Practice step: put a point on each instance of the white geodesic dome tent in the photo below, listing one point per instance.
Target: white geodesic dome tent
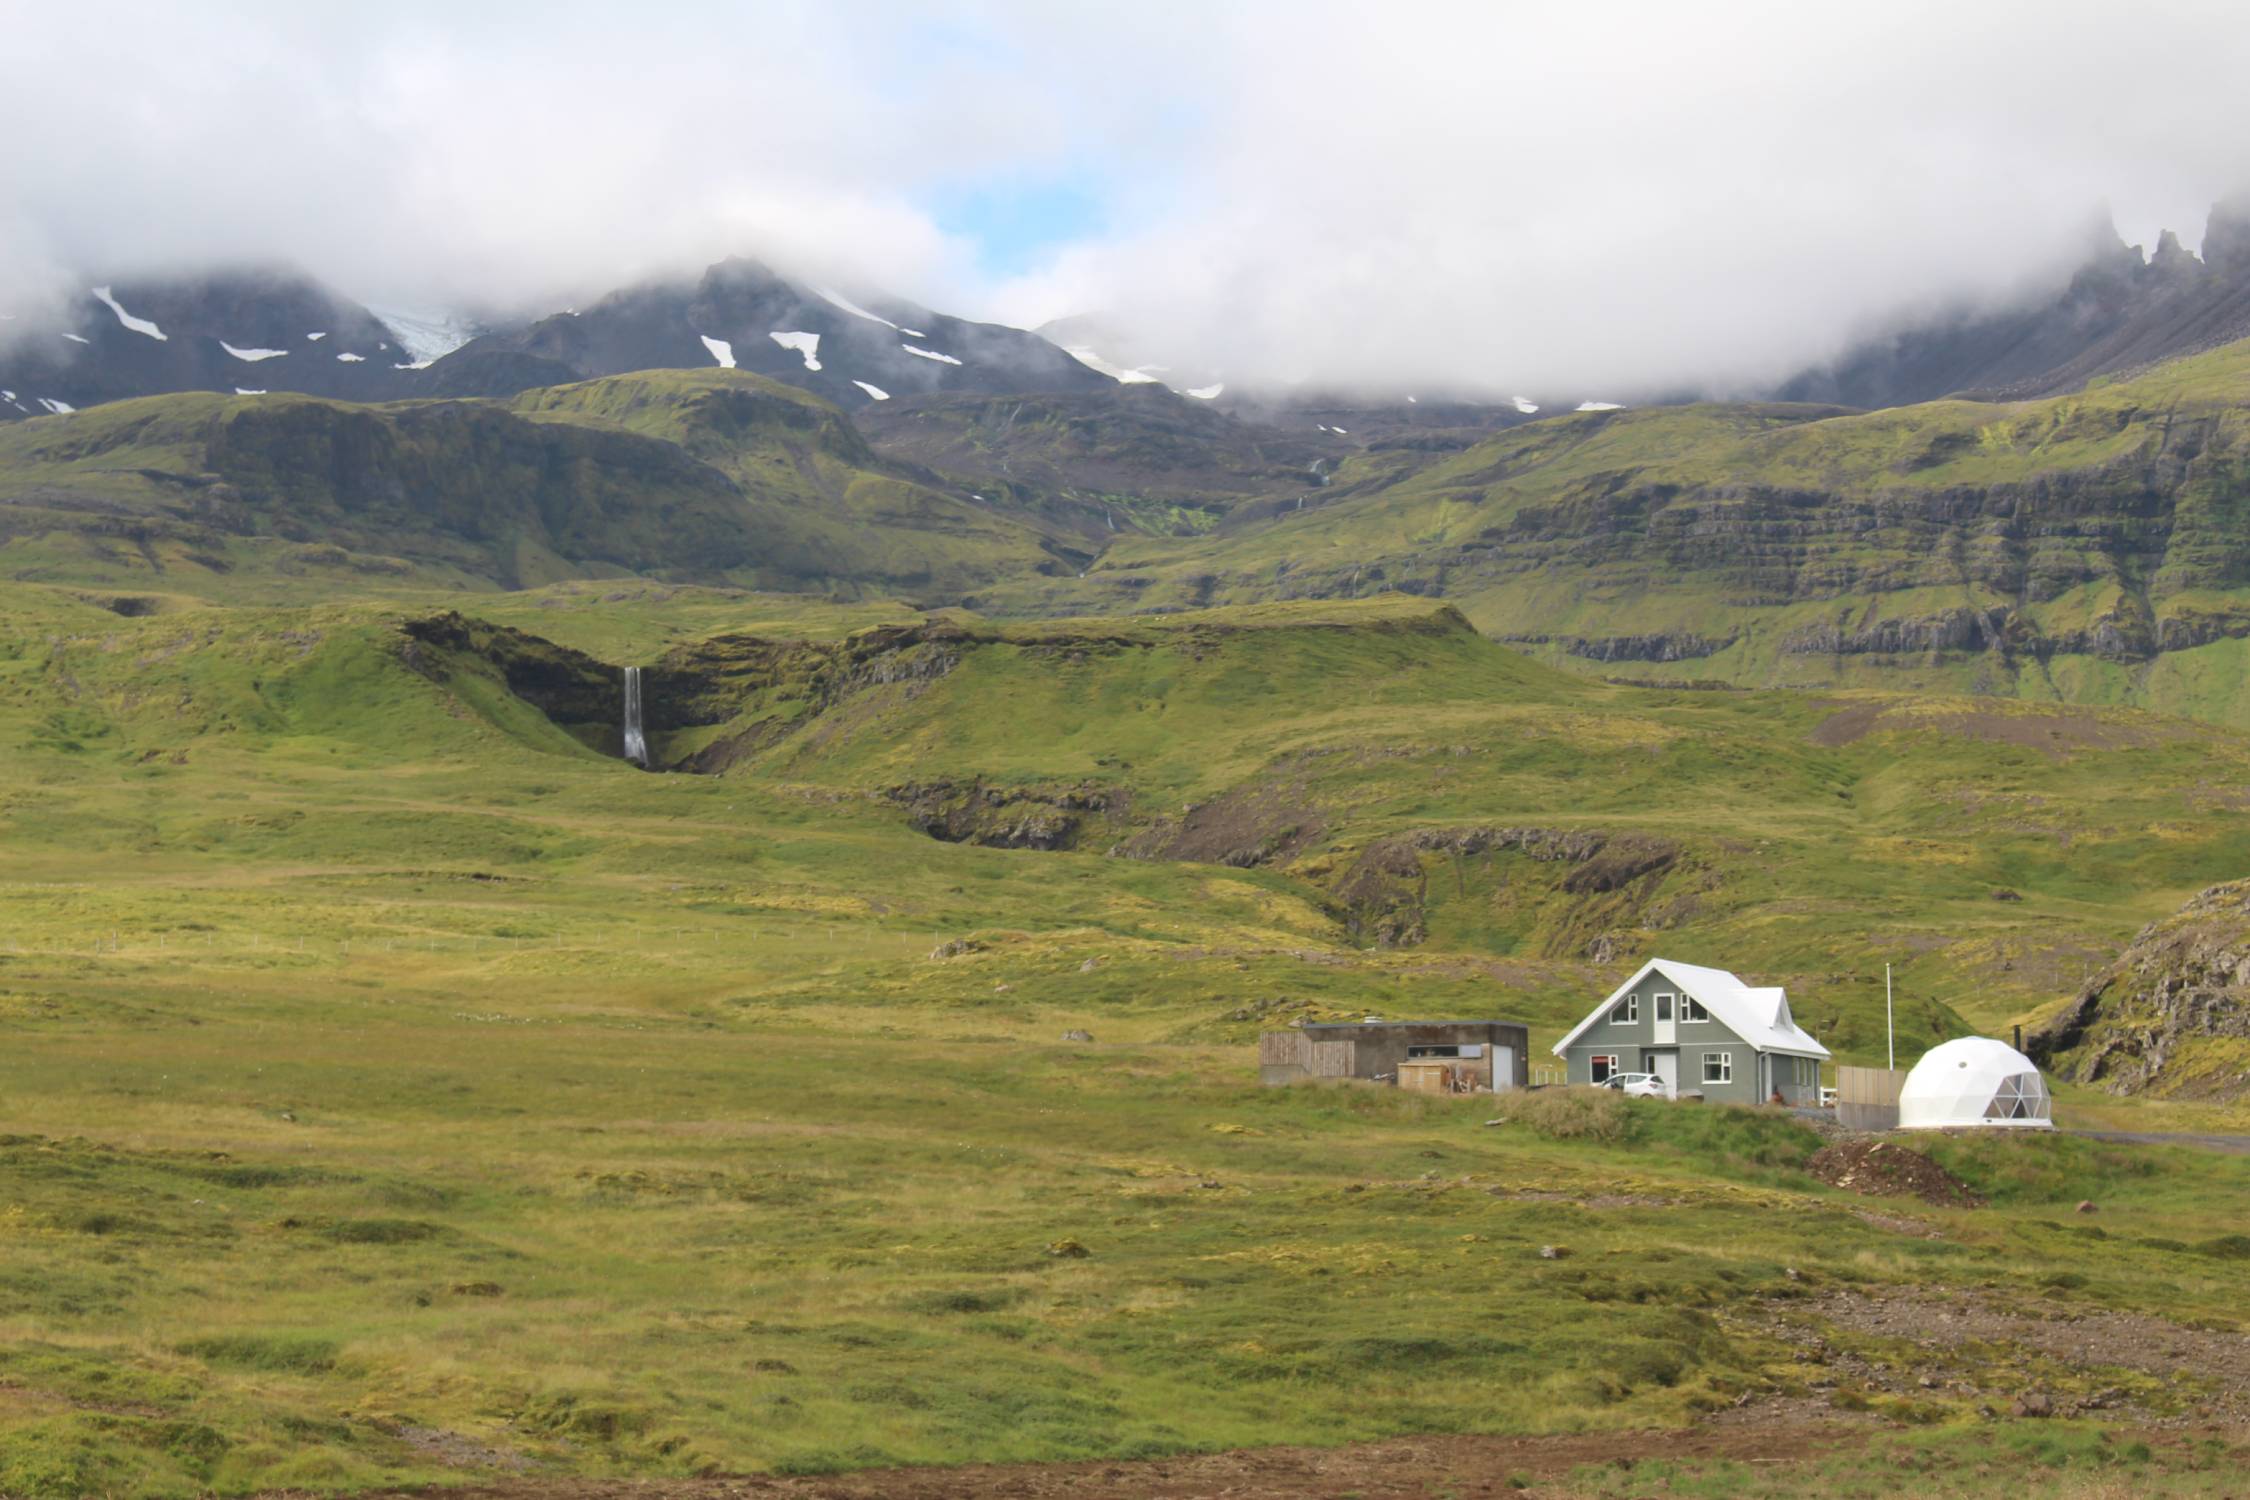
(1974, 1081)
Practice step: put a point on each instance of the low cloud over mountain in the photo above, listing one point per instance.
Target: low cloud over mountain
(1628, 198)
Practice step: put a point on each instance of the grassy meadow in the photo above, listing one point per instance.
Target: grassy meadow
(395, 1088)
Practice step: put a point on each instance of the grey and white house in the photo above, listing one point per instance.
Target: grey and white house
(1702, 1031)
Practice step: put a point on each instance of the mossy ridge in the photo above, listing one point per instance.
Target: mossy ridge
(692, 476)
(2084, 547)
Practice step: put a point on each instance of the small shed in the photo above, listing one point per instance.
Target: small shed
(1434, 1056)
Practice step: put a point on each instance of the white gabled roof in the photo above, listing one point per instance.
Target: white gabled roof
(1758, 1016)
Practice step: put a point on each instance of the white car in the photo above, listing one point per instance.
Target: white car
(1640, 1085)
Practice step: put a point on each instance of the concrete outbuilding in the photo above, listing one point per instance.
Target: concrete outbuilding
(1974, 1081)
(1446, 1057)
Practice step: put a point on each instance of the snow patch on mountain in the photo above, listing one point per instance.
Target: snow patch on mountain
(874, 392)
(1100, 366)
(351, 359)
(426, 336)
(78, 338)
(1600, 406)
(838, 299)
(943, 359)
(59, 408)
(1211, 392)
(240, 391)
(252, 355)
(1524, 404)
(137, 325)
(314, 338)
(721, 350)
(806, 344)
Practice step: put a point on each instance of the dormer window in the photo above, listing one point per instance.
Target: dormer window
(1626, 1012)
(1691, 1009)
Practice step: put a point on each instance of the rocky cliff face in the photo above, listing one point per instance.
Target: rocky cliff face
(2172, 1014)
(2120, 311)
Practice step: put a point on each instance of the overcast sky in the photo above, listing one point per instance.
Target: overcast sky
(1546, 196)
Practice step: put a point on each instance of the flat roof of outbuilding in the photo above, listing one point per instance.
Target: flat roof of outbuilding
(1378, 1025)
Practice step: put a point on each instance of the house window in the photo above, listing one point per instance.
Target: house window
(1603, 1065)
(1691, 1009)
(1627, 1011)
(1718, 1067)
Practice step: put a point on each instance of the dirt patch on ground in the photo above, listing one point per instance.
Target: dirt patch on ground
(1460, 1466)
(1960, 1343)
(1847, 724)
(1896, 1224)
(462, 1452)
(1258, 824)
(1881, 1169)
(2052, 731)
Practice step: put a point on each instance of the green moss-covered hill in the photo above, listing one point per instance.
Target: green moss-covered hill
(2089, 548)
(705, 475)
(1381, 767)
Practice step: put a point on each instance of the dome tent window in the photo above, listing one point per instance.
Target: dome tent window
(1974, 1081)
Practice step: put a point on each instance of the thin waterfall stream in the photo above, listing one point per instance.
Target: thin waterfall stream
(636, 744)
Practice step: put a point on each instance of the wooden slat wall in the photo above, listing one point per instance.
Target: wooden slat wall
(1867, 1098)
(1281, 1049)
(1869, 1086)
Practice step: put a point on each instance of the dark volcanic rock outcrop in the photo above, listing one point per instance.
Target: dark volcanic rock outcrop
(2172, 1014)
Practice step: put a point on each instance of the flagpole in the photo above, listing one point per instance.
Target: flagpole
(1890, 1026)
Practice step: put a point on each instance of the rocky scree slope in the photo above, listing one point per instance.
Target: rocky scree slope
(2171, 1015)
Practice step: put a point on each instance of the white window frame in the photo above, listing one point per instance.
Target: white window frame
(1631, 1005)
(1725, 1060)
(1693, 1011)
(1612, 1058)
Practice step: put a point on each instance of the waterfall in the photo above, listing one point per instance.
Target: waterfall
(636, 745)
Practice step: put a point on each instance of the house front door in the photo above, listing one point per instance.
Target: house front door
(1666, 1065)
(1667, 1019)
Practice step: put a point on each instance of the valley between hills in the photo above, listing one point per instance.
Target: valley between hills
(403, 1088)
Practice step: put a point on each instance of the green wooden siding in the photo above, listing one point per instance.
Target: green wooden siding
(1633, 1043)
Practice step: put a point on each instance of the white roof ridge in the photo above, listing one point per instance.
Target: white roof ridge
(1758, 1014)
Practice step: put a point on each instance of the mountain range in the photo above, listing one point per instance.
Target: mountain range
(264, 330)
(250, 432)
